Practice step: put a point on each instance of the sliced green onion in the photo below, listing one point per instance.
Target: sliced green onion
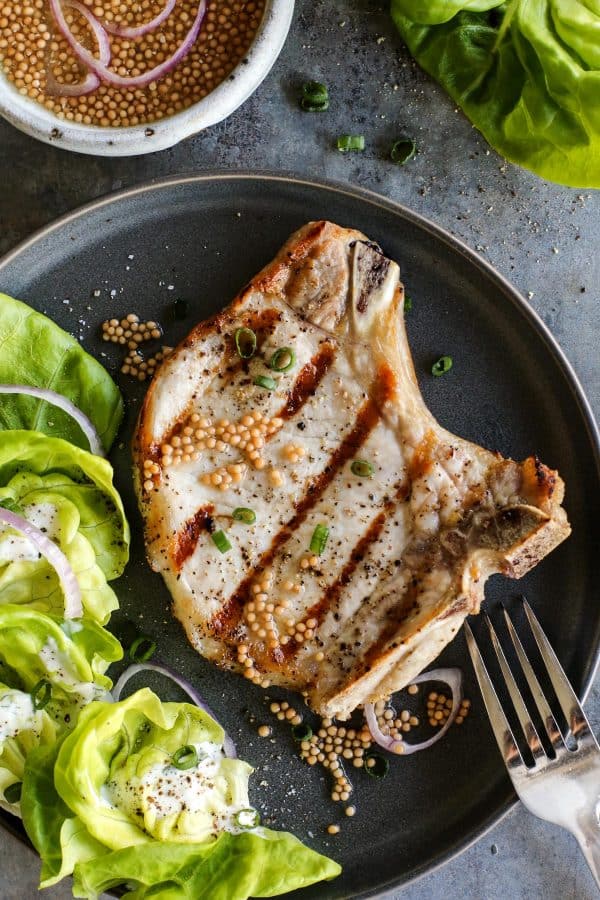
(441, 366)
(379, 768)
(12, 794)
(407, 303)
(403, 150)
(242, 514)
(362, 468)
(319, 539)
(302, 732)
(41, 694)
(142, 649)
(283, 359)
(315, 97)
(347, 142)
(221, 541)
(185, 758)
(264, 381)
(245, 342)
(247, 818)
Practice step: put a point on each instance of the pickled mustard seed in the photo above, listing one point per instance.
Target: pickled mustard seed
(33, 51)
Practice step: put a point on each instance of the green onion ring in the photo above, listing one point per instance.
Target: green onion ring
(245, 342)
(441, 366)
(302, 732)
(277, 361)
(247, 818)
(381, 767)
(41, 694)
(185, 758)
(245, 515)
(142, 649)
(362, 468)
(403, 150)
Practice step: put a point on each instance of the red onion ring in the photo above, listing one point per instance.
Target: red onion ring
(91, 81)
(451, 677)
(136, 668)
(101, 69)
(65, 404)
(56, 558)
(140, 30)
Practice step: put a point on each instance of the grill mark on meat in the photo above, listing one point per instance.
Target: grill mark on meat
(225, 621)
(332, 594)
(259, 321)
(187, 538)
(308, 380)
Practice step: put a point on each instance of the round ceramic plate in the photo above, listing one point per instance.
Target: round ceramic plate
(200, 239)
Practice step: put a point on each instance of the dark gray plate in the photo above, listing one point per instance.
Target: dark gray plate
(200, 239)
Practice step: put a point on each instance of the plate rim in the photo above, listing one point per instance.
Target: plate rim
(508, 290)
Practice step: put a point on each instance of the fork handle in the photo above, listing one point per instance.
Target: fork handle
(588, 838)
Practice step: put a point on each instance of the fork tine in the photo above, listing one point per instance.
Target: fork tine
(572, 711)
(502, 730)
(531, 735)
(552, 729)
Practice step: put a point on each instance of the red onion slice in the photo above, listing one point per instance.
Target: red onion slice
(136, 668)
(65, 404)
(56, 558)
(451, 677)
(99, 68)
(140, 30)
(61, 89)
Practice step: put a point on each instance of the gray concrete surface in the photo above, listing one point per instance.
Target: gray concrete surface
(543, 237)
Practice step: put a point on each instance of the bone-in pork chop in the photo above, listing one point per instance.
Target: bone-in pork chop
(316, 527)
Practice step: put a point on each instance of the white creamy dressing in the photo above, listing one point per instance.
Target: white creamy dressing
(169, 791)
(15, 547)
(59, 666)
(17, 714)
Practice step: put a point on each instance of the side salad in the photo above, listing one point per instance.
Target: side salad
(131, 792)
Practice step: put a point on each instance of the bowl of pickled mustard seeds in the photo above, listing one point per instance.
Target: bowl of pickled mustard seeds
(127, 77)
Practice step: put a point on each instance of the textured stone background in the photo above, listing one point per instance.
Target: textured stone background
(544, 238)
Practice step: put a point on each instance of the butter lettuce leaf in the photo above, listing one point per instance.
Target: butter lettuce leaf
(257, 864)
(110, 805)
(527, 74)
(35, 351)
(71, 656)
(76, 475)
(60, 838)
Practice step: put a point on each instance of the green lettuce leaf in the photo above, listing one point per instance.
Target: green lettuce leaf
(130, 746)
(527, 74)
(36, 352)
(109, 803)
(71, 656)
(55, 503)
(60, 838)
(234, 867)
(76, 475)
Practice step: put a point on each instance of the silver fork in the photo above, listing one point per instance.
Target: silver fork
(563, 788)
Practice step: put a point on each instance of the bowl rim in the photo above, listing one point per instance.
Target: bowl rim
(33, 119)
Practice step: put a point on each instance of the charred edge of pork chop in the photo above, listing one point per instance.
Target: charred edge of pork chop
(414, 637)
(332, 277)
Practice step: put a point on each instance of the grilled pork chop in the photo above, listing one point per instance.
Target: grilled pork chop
(375, 529)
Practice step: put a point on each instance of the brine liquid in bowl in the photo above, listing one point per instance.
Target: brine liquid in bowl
(130, 39)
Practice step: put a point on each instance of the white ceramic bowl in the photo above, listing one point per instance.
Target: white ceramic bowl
(37, 121)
